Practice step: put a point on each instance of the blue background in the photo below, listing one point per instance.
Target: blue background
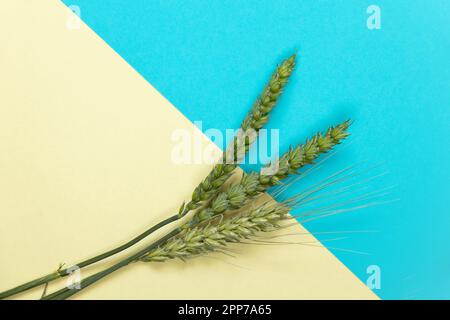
(212, 58)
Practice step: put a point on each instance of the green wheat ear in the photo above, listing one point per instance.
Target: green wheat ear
(201, 240)
(253, 184)
(254, 121)
(258, 116)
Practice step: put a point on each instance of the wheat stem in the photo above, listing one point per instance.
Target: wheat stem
(67, 292)
(60, 273)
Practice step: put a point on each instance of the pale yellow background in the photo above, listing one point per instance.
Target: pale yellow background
(85, 164)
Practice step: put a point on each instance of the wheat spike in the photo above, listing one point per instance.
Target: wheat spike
(200, 240)
(254, 121)
(253, 184)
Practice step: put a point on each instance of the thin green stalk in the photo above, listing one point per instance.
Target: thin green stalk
(67, 292)
(208, 189)
(29, 285)
(65, 272)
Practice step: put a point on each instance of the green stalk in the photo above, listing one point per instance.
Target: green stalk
(208, 189)
(65, 272)
(67, 292)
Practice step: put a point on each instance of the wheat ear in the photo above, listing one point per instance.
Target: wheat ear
(200, 240)
(253, 184)
(253, 122)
